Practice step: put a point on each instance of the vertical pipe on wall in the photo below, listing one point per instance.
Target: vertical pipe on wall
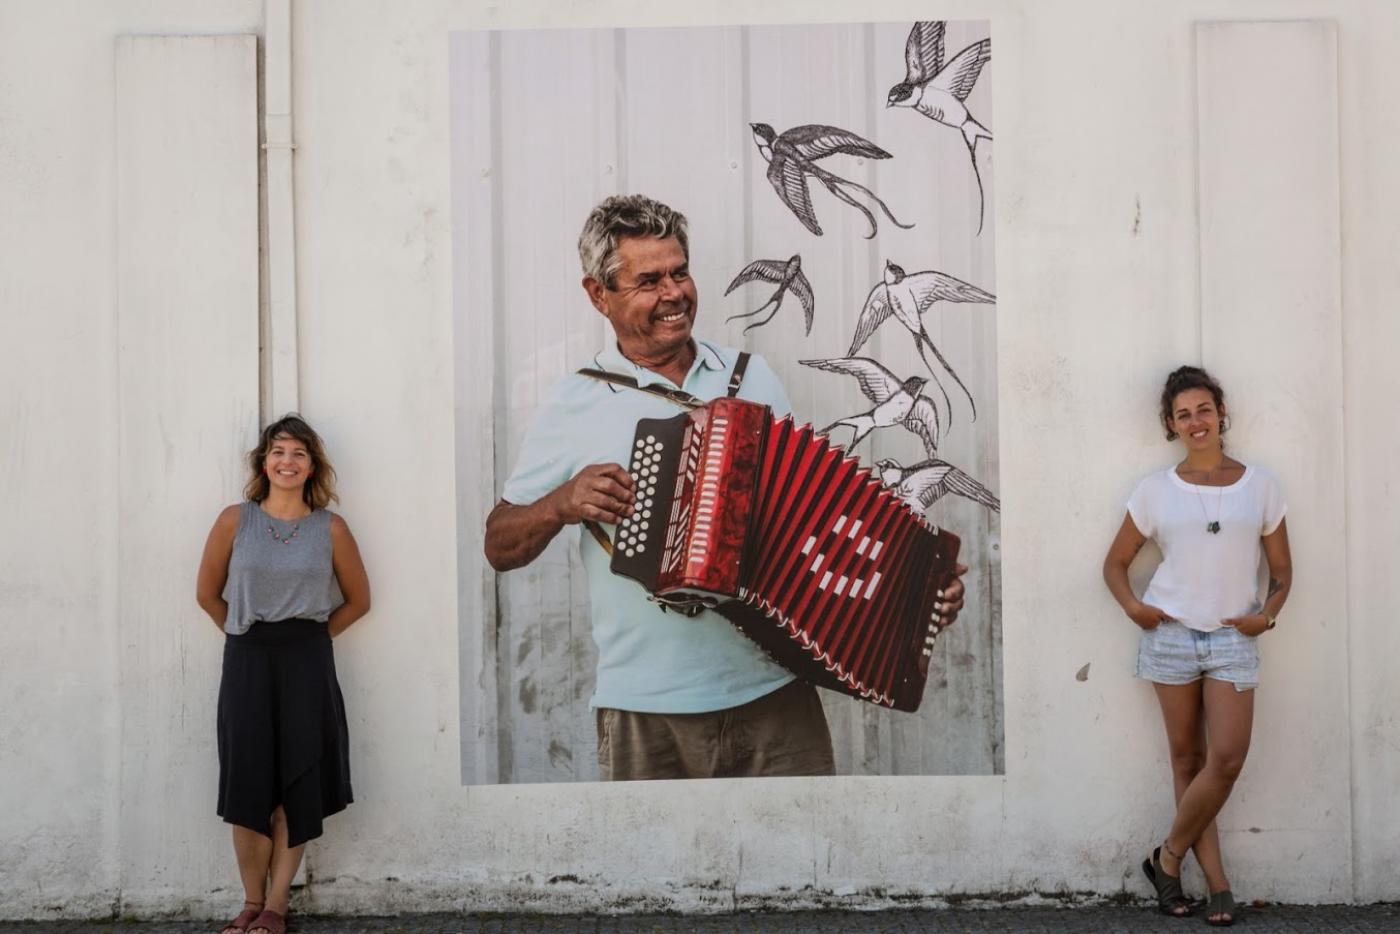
(279, 343)
(281, 393)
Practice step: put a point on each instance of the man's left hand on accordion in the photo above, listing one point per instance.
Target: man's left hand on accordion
(951, 599)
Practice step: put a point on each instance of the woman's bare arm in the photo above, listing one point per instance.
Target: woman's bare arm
(350, 574)
(1126, 544)
(1280, 560)
(213, 566)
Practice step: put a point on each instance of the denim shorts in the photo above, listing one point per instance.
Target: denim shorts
(1174, 654)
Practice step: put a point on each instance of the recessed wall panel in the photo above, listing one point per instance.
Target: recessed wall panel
(187, 359)
(1271, 330)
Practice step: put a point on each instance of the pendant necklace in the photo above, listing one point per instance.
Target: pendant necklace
(1212, 525)
(288, 540)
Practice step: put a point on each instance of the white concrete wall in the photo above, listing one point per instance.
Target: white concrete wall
(1099, 286)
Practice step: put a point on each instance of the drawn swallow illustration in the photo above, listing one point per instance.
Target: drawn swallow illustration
(927, 482)
(788, 276)
(939, 92)
(896, 402)
(907, 296)
(792, 158)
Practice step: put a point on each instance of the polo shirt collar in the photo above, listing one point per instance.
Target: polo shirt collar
(610, 358)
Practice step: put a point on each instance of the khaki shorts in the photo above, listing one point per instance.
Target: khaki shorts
(781, 733)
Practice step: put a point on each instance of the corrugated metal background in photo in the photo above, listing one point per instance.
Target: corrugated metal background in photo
(546, 124)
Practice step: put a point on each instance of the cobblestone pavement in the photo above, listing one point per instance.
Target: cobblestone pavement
(1129, 920)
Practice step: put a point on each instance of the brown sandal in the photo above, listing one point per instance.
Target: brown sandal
(269, 921)
(247, 916)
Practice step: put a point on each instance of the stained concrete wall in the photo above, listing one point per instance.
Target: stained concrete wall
(1102, 285)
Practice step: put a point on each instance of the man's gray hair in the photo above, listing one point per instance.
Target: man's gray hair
(624, 216)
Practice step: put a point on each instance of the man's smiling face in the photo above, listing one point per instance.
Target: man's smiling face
(652, 302)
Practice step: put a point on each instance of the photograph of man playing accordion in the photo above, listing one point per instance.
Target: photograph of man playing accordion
(677, 695)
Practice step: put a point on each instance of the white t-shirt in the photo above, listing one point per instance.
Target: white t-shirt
(1206, 577)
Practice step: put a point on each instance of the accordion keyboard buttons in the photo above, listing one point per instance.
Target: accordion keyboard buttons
(632, 533)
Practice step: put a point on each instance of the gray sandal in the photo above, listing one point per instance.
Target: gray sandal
(1221, 903)
(1171, 900)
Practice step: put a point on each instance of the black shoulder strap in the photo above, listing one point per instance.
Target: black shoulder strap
(677, 396)
(737, 376)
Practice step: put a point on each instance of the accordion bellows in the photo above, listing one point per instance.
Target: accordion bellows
(791, 540)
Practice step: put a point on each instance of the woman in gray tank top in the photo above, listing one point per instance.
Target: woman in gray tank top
(281, 576)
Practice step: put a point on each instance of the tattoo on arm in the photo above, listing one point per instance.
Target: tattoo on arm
(1275, 585)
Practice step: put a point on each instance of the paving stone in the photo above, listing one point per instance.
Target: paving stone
(1011, 920)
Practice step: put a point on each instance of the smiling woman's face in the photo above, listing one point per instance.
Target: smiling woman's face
(1196, 419)
(287, 463)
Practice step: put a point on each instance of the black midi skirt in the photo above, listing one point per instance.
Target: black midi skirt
(283, 739)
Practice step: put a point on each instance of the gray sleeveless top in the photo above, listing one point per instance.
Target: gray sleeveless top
(284, 573)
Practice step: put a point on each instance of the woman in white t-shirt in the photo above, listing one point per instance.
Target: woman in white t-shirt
(1212, 517)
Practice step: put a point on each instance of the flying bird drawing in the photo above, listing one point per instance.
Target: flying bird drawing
(929, 481)
(896, 402)
(939, 91)
(907, 296)
(788, 276)
(792, 159)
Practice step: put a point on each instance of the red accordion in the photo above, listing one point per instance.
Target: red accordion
(791, 540)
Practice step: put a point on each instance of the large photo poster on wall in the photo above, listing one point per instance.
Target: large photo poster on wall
(836, 264)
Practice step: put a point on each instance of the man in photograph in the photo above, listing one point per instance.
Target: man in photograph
(676, 696)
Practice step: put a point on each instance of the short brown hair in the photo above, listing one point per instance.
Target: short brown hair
(1182, 379)
(319, 491)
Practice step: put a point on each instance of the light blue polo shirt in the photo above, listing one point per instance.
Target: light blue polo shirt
(648, 660)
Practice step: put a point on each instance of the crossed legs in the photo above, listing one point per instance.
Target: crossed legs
(267, 865)
(1208, 726)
